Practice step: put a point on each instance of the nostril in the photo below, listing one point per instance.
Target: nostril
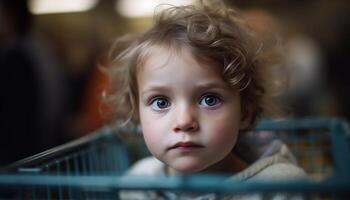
(176, 129)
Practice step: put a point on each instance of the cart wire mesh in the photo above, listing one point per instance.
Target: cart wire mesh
(92, 167)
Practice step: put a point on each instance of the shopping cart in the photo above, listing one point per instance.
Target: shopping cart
(92, 167)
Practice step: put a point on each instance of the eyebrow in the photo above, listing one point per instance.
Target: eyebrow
(211, 84)
(154, 87)
(200, 86)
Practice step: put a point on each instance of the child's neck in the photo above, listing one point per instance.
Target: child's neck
(231, 164)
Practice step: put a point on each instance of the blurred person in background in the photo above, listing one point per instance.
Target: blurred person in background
(32, 87)
(336, 44)
(307, 92)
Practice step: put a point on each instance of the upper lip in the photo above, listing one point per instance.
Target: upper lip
(185, 144)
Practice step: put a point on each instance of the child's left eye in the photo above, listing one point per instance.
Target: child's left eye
(210, 100)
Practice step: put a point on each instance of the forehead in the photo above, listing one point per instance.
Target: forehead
(157, 56)
(177, 68)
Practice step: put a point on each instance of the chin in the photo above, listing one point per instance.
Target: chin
(189, 168)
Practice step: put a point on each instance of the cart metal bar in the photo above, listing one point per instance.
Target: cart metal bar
(298, 124)
(341, 147)
(64, 149)
(70, 170)
(190, 183)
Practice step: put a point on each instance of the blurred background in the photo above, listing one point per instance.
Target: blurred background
(50, 52)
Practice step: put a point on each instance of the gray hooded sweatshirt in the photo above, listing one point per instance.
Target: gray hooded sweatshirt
(275, 163)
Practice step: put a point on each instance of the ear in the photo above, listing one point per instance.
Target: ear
(246, 117)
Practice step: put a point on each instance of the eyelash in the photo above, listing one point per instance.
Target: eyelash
(154, 99)
(218, 100)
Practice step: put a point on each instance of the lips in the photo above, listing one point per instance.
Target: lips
(186, 145)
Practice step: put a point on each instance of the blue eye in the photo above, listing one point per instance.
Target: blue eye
(210, 100)
(160, 103)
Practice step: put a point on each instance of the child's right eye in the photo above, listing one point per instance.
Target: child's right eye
(160, 103)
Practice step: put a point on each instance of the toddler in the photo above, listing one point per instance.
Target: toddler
(196, 81)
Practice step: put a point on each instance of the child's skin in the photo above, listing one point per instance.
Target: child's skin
(182, 100)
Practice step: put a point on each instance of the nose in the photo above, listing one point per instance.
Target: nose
(186, 121)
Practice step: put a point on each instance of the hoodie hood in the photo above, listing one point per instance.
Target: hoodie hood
(276, 153)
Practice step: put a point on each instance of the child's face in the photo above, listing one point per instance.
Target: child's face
(190, 118)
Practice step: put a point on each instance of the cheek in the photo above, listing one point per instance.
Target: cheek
(222, 129)
(223, 132)
(149, 129)
(151, 137)
(153, 133)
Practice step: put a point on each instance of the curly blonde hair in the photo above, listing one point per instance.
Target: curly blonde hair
(212, 31)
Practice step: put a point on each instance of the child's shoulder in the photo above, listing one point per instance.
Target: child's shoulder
(280, 172)
(149, 166)
(276, 163)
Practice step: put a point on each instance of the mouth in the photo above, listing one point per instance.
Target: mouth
(186, 146)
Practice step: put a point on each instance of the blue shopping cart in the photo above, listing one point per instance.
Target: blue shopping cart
(92, 167)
